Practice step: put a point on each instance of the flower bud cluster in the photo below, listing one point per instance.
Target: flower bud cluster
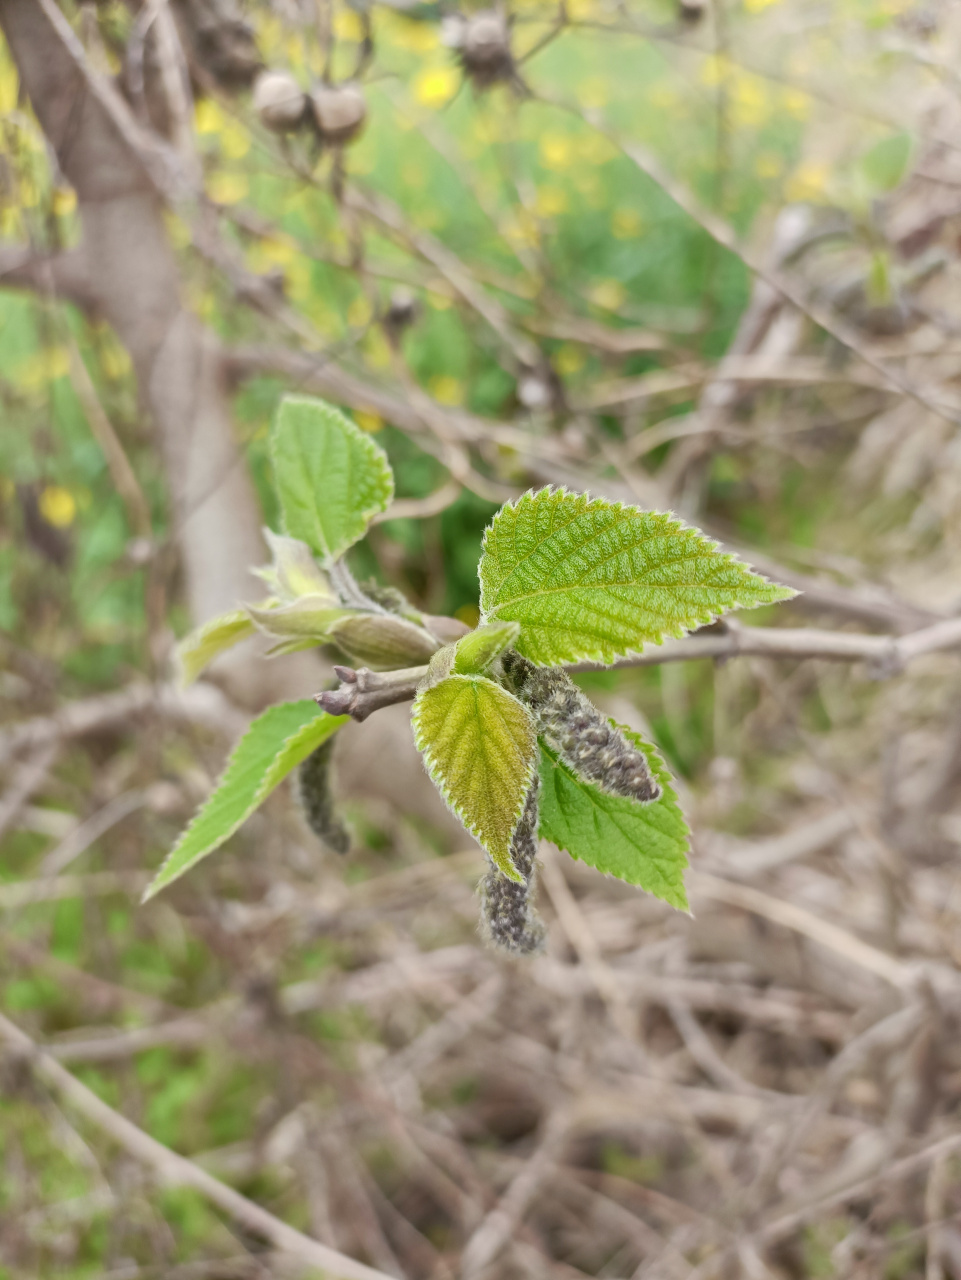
(572, 726)
(509, 919)
(317, 800)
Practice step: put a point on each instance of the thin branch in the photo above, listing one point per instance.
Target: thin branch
(202, 704)
(363, 692)
(175, 1170)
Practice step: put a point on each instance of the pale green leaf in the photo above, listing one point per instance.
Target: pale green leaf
(293, 571)
(477, 650)
(275, 743)
(200, 647)
(885, 164)
(644, 844)
(332, 478)
(591, 579)
(382, 641)
(480, 750)
(308, 616)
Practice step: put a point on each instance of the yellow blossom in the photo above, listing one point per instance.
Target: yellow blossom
(796, 103)
(227, 188)
(208, 117)
(114, 361)
(626, 224)
(446, 389)
(609, 294)
(435, 86)
(418, 37)
(570, 359)
(368, 421)
(63, 201)
(359, 312)
(550, 202)
(808, 182)
(57, 506)
(556, 151)
(348, 26)
(234, 140)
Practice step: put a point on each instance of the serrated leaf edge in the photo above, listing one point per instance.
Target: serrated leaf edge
(664, 777)
(609, 655)
(158, 883)
(430, 764)
(374, 451)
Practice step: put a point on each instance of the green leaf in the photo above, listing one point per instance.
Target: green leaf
(480, 750)
(477, 650)
(644, 844)
(275, 743)
(886, 163)
(308, 616)
(293, 571)
(591, 579)
(200, 647)
(332, 478)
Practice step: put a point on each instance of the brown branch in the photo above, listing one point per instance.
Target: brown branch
(362, 692)
(176, 1170)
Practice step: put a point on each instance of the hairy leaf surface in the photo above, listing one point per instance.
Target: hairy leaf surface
(200, 647)
(591, 579)
(480, 750)
(275, 743)
(332, 478)
(644, 844)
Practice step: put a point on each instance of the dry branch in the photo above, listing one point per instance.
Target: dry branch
(176, 1170)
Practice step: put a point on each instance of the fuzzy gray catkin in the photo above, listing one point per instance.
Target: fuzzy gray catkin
(573, 727)
(509, 920)
(317, 801)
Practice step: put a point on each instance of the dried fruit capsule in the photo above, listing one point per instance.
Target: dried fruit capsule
(485, 48)
(573, 727)
(279, 101)
(317, 799)
(340, 112)
(509, 920)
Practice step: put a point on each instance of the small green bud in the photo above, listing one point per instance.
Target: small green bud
(381, 641)
(479, 648)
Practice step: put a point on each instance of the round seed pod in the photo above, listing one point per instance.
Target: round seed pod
(279, 101)
(485, 48)
(340, 112)
(401, 311)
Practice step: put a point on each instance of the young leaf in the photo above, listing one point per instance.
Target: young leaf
(591, 579)
(478, 649)
(332, 478)
(644, 844)
(293, 571)
(274, 744)
(480, 750)
(199, 649)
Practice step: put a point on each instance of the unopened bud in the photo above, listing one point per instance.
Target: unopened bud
(382, 641)
(279, 101)
(340, 112)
